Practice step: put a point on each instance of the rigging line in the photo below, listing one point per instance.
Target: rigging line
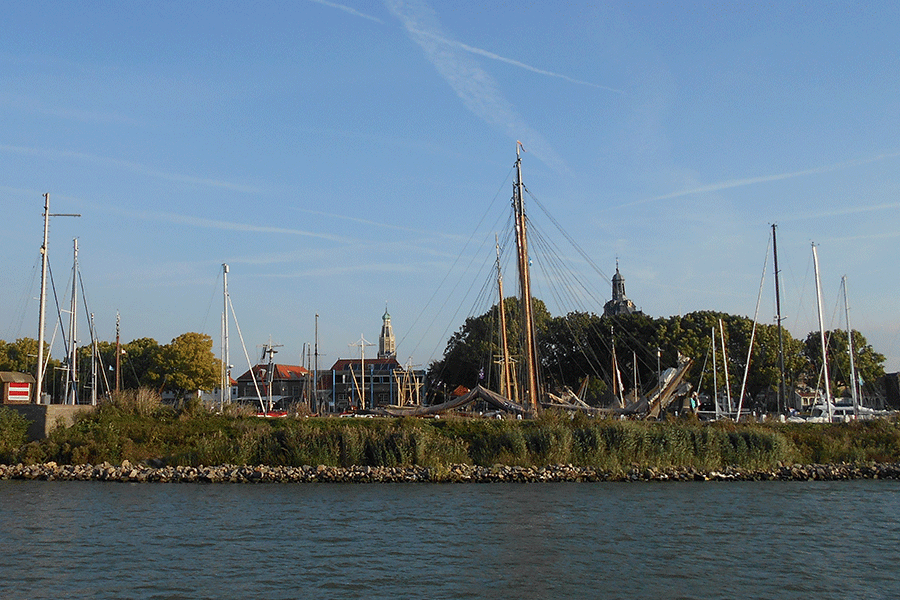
(569, 238)
(212, 299)
(450, 295)
(58, 309)
(635, 343)
(22, 307)
(437, 289)
(91, 328)
(247, 356)
(553, 263)
(753, 331)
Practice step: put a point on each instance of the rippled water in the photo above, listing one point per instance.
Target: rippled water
(815, 540)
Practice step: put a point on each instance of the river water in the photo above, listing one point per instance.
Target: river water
(810, 540)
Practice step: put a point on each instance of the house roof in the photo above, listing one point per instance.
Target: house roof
(15, 377)
(379, 364)
(282, 372)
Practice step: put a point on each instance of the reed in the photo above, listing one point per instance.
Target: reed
(143, 431)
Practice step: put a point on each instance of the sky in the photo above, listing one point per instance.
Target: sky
(347, 158)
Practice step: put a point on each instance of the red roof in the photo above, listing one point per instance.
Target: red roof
(344, 364)
(282, 372)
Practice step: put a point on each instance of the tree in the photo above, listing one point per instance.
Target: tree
(20, 355)
(868, 363)
(470, 353)
(139, 364)
(188, 364)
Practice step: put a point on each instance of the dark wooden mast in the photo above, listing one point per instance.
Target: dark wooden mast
(531, 384)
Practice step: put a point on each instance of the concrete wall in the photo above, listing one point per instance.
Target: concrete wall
(43, 418)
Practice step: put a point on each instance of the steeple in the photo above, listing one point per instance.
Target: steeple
(387, 344)
(620, 304)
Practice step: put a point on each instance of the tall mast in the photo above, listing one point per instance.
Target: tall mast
(94, 355)
(505, 383)
(118, 355)
(822, 333)
(725, 367)
(853, 382)
(39, 385)
(72, 387)
(781, 387)
(316, 367)
(531, 383)
(226, 366)
(362, 343)
(715, 375)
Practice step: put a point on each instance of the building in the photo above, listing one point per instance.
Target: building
(288, 381)
(387, 344)
(620, 304)
(16, 387)
(367, 383)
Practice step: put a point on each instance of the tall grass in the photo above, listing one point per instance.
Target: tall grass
(143, 430)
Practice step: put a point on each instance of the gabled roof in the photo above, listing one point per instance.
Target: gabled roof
(282, 372)
(15, 377)
(380, 364)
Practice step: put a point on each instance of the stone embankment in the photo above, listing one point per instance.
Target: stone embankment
(128, 472)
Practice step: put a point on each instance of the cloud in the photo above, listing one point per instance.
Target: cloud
(232, 226)
(131, 166)
(515, 63)
(734, 183)
(348, 10)
(472, 84)
(378, 224)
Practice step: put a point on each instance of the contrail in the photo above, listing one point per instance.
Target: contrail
(376, 223)
(734, 183)
(131, 166)
(475, 87)
(348, 10)
(515, 63)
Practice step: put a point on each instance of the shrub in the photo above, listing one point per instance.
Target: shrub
(13, 429)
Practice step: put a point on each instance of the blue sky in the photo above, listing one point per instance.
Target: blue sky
(347, 156)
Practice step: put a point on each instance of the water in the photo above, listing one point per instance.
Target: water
(777, 540)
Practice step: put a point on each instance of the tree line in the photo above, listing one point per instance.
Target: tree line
(186, 364)
(580, 346)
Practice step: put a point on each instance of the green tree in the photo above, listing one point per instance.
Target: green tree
(21, 355)
(139, 364)
(470, 353)
(868, 363)
(188, 364)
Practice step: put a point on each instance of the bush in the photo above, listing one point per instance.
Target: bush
(13, 429)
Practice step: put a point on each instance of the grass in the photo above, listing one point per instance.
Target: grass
(138, 428)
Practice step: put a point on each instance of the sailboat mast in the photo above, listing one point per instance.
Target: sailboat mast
(226, 367)
(531, 384)
(730, 408)
(715, 375)
(39, 384)
(822, 333)
(505, 382)
(43, 304)
(853, 382)
(71, 391)
(781, 387)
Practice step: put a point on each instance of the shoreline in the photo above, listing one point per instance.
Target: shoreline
(459, 473)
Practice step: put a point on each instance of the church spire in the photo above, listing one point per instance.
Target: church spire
(387, 344)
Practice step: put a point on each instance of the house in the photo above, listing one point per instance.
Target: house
(16, 387)
(287, 381)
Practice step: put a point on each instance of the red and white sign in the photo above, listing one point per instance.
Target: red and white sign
(18, 391)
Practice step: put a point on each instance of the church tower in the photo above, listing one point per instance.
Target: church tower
(620, 304)
(387, 344)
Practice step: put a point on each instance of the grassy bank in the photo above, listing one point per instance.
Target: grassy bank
(193, 436)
